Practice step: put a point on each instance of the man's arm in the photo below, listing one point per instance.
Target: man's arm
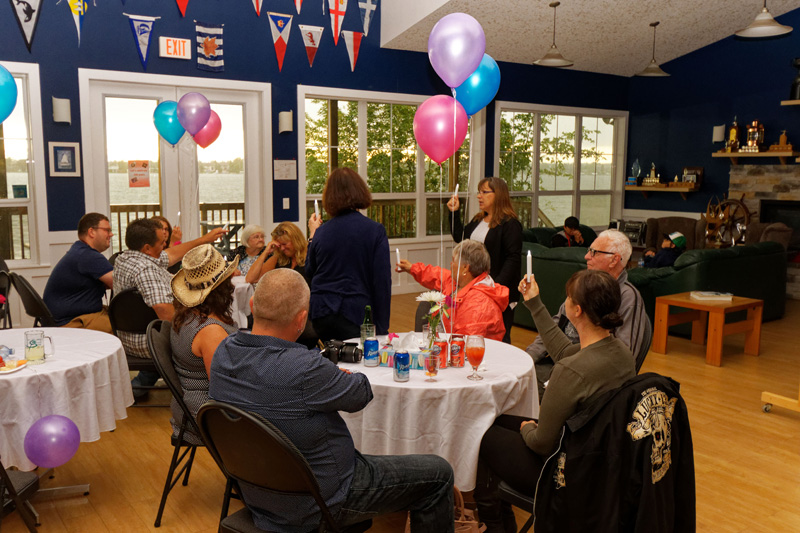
(177, 252)
(164, 311)
(327, 389)
(108, 279)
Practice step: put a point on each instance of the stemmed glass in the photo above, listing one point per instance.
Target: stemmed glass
(475, 349)
(431, 366)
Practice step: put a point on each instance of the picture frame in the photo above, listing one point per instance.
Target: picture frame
(693, 176)
(65, 159)
(690, 178)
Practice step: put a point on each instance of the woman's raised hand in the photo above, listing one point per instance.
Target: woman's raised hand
(453, 203)
(528, 289)
(404, 265)
(271, 247)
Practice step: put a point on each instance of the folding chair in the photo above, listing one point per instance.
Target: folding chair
(5, 289)
(16, 490)
(645, 348)
(250, 449)
(517, 499)
(32, 302)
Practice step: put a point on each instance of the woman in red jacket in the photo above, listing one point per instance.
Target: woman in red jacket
(478, 302)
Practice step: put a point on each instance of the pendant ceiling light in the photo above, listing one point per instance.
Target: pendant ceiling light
(653, 70)
(763, 26)
(553, 57)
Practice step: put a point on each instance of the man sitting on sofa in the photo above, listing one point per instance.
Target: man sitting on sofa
(674, 244)
(610, 253)
(569, 236)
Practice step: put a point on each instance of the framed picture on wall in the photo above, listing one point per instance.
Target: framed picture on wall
(65, 159)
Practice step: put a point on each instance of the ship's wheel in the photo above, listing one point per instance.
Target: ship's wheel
(732, 229)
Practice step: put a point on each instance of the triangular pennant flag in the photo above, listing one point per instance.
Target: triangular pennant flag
(280, 25)
(209, 47)
(182, 6)
(338, 8)
(27, 13)
(367, 8)
(257, 5)
(311, 35)
(298, 4)
(78, 8)
(352, 39)
(142, 28)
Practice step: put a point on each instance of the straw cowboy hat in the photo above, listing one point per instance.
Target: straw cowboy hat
(203, 270)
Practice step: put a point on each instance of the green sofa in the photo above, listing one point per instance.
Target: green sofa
(754, 271)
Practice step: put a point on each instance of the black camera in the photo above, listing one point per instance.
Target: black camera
(338, 351)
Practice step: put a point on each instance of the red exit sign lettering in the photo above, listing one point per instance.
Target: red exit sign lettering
(175, 48)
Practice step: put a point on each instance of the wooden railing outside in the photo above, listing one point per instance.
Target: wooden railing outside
(14, 229)
(399, 217)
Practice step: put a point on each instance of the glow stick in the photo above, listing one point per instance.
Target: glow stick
(530, 260)
(397, 251)
(316, 207)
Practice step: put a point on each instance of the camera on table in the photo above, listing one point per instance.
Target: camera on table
(338, 351)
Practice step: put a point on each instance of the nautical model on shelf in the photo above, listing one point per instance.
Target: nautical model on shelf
(653, 179)
(732, 144)
(755, 137)
(782, 145)
(726, 223)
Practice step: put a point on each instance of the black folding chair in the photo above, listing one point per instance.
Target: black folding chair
(32, 302)
(517, 499)
(250, 449)
(128, 312)
(5, 290)
(645, 348)
(16, 490)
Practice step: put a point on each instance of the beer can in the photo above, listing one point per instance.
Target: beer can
(457, 350)
(371, 352)
(402, 362)
(441, 344)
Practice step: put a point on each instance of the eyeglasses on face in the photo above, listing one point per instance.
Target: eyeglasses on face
(107, 230)
(594, 252)
(487, 191)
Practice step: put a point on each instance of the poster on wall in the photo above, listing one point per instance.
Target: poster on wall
(27, 12)
(367, 8)
(280, 25)
(311, 35)
(65, 159)
(138, 173)
(142, 28)
(209, 47)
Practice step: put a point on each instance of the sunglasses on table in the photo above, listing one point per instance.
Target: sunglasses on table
(594, 252)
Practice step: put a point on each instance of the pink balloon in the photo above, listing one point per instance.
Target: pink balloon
(440, 126)
(210, 131)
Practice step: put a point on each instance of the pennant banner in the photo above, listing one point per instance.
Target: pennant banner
(337, 8)
(78, 8)
(142, 28)
(182, 6)
(209, 47)
(257, 6)
(311, 36)
(367, 8)
(352, 39)
(280, 25)
(27, 12)
(299, 3)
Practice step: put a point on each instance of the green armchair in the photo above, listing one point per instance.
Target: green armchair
(543, 236)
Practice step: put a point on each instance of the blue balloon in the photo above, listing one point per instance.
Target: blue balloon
(8, 93)
(165, 117)
(481, 86)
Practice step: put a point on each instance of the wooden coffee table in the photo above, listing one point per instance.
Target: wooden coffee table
(711, 313)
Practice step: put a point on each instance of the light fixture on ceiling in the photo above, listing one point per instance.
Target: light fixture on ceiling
(764, 26)
(653, 70)
(553, 57)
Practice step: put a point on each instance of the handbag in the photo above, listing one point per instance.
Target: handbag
(465, 521)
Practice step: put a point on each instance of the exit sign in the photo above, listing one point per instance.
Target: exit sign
(175, 48)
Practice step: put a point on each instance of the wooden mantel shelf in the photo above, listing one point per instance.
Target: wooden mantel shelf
(647, 190)
(734, 156)
(790, 102)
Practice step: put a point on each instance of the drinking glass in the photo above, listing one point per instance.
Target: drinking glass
(34, 346)
(431, 366)
(475, 350)
(367, 331)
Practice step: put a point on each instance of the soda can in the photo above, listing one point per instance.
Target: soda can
(441, 344)
(457, 345)
(371, 352)
(402, 362)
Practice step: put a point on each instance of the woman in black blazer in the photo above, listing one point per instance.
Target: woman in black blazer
(497, 227)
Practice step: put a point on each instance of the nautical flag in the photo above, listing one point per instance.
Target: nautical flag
(27, 12)
(298, 4)
(352, 39)
(78, 8)
(142, 28)
(280, 25)
(182, 6)
(338, 8)
(257, 5)
(209, 47)
(311, 36)
(367, 8)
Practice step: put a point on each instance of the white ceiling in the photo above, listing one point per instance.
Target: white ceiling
(607, 36)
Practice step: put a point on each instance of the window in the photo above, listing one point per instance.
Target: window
(552, 172)
(373, 133)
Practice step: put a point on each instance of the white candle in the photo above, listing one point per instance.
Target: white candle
(397, 251)
(529, 269)
(455, 193)
(316, 207)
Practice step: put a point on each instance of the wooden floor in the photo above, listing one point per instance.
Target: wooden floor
(747, 462)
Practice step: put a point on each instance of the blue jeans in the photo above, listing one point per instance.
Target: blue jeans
(382, 484)
(145, 378)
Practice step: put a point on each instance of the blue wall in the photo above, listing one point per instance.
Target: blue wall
(672, 118)
(107, 43)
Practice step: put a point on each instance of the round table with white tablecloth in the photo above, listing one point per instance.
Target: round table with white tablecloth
(85, 380)
(449, 417)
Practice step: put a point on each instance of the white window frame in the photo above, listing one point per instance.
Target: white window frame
(617, 167)
(38, 227)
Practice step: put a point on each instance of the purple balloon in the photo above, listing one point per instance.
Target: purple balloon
(52, 441)
(455, 47)
(193, 112)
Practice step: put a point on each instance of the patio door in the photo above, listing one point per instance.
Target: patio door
(131, 172)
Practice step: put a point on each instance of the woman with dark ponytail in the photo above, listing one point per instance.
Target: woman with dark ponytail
(514, 449)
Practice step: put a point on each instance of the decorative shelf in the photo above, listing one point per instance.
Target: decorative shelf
(790, 102)
(734, 156)
(647, 190)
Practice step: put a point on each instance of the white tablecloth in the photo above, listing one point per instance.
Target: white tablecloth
(447, 418)
(86, 380)
(242, 292)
